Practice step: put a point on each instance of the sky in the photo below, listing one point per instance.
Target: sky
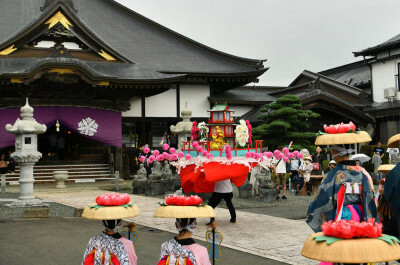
(293, 35)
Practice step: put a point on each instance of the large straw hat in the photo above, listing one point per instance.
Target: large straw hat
(359, 250)
(394, 141)
(343, 138)
(386, 168)
(175, 211)
(123, 209)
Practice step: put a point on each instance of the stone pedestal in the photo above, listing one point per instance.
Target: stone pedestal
(245, 191)
(267, 195)
(156, 189)
(139, 187)
(26, 181)
(60, 177)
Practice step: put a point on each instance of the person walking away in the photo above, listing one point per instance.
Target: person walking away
(332, 165)
(223, 190)
(279, 167)
(294, 164)
(305, 171)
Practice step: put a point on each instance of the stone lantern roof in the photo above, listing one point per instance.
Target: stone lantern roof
(184, 126)
(28, 124)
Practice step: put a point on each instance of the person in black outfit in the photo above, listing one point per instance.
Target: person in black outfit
(379, 149)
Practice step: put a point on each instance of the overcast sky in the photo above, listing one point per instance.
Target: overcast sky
(292, 34)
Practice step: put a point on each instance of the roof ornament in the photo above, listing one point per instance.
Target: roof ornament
(69, 3)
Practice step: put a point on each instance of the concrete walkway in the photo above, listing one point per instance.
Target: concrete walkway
(266, 236)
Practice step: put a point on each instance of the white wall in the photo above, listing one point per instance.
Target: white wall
(196, 97)
(383, 76)
(162, 105)
(136, 108)
(240, 110)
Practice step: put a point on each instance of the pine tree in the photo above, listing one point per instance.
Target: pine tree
(285, 121)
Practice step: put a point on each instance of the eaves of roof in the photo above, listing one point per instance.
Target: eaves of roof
(390, 44)
(117, 72)
(325, 80)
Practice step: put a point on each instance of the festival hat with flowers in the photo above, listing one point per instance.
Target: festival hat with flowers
(342, 134)
(307, 157)
(111, 206)
(351, 242)
(184, 207)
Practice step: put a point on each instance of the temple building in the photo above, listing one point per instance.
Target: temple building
(99, 74)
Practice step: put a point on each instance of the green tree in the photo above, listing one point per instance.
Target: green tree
(285, 121)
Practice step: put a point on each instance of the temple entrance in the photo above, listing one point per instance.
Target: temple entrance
(66, 145)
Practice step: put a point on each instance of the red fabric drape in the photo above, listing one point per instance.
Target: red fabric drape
(215, 171)
(194, 180)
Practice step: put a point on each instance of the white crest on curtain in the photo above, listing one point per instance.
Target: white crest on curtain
(88, 126)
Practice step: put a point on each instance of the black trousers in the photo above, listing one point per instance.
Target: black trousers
(217, 197)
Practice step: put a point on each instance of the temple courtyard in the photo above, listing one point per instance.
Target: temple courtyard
(265, 233)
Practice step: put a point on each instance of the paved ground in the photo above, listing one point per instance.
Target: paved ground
(266, 236)
(62, 241)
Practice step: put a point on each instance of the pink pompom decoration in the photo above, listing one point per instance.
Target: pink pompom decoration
(142, 159)
(247, 155)
(279, 156)
(229, 157)
(181, 154)
(300, 156)
(276, 153)
(159, 158)
(195, 144)
(165, 154)
(188, 157)
(290, 155)
(286, 159)
(269, 154)
(200, 149)
(146, 150)
(165, 147)
(285, 151)
(227, 147)
(152, 158)
(210, 156)
(174, 157)
(156, 152)
(172, 150)
(296, 153)
(259, 155)
(204, 153)
(265, 154)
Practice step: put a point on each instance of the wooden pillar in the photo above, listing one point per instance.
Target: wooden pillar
(178, 100)
(143, 121)
(118, 159)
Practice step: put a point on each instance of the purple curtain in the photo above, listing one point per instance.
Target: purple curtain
(99, 125)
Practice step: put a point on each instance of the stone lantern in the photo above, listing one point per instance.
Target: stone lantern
(26, 154)
(182, 128)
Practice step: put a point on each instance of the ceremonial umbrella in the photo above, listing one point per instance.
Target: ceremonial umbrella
(343, 138)
(386, 168)
(394, 141)
(360, 157)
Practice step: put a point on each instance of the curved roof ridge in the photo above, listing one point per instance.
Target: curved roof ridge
(47, 11)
